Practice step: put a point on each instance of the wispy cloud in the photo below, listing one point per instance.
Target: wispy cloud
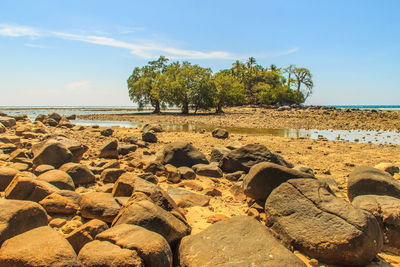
(36, 45)
(18, 31)
(78, 86)
(145, 49)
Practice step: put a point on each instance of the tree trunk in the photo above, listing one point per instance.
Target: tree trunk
(156, 106)
(298, 86)
(219, 109)
(185, 108)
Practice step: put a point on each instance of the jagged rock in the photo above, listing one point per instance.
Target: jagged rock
(18, 216)
(242, 159)
(220, 133)
(308, 216)
(257, 246)
(151, 247)
(182, 154)
(371, 181)
(149, 177)
(218, 152)
(109, 150)
(85, 233)
(265, 177)
(111, 175)
(79, 173)
(98, 205)
(146, 214)
(58, 178)
(41, 246)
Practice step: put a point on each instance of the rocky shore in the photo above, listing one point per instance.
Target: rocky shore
(92, 196)
(286, 117)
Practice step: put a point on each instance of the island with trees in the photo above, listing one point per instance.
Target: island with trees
(161, 84)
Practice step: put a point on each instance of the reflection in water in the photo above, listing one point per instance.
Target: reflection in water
(359, 136)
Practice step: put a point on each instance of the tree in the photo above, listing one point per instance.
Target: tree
(146, 84)
(303, 77)
(228, 90)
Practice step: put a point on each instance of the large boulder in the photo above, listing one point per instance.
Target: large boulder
(243, 158)
(28, 188)
(6, 176)
(79, 173)
(309, 217)
(8, 121)
(154, 218)
(41, 246)
(265, 177)
(151, 247)
(98, 205)
(370, 181)
(58, 178)
(218, 152)
(387, 211)
(240, 241)
(62, 202)
(182, 154)
(77, 148)
(18, 216)
(52, 152)
(103, 253)
(109, 150)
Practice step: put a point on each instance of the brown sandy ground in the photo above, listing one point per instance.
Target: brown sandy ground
(256, 117)
(328, 159)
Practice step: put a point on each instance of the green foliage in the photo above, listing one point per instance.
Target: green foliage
(279, 95)
(228, 90)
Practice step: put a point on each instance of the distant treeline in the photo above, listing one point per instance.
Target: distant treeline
(185, 85)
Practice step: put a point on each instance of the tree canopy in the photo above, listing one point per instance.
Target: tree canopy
(190, 86)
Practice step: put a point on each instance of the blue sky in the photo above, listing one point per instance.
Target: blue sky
(82, 52)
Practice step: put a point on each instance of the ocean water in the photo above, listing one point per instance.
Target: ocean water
(381, 107)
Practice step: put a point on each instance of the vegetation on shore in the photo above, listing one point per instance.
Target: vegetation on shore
(187, 85)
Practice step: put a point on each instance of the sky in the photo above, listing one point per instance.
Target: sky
(80, 53)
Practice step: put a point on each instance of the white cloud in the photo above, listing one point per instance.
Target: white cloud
(18, 31)
(78, 86)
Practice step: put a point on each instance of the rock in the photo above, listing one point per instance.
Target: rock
(149, 177)
(235, 176)
(79, 173)
(192, 184)
(107, 132)
(387, 167)
(172, 173)
(111, 175)
(308, 216)
(125, 185)
(6, 176)
(71, 117)
(14, 214)
(242, 159)
(149, 137)
(220, 133)
(217, 218)
(126, 149)
(186, 199)
(50, 122)
(57, 222)
(59, 204)
(86, 233)
(111, 164)
(208, 170)
(51, 152)
(218, 152)
(182, 154)
(103, 253)
(151, 247)
(371, 181)
(257, 246)
(8, 121)
(27, 188)
(303, 168)
(58, 178)
(98, 205)
(41, 246)
(42, 169)
(76, 147)
(146, 214)
(187, 173)
(109, 150)
(40, 117)
(265, 177)
(386, 210)
(154, 167)
(157, 128)
(55, 116)
(3, 128)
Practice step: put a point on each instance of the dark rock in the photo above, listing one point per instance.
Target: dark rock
(14, 216)
(157, 128)
(149, 177)
(98, 205)
(218, 152)
(242, 159)
(109, 150)
(149, 137)
(151, 247)
(187, 173)
(71, 117)
(220, 133)
(111, 175)
(55, 116)
(208, 170)
(308, 216)
(41, 117)
(107, 132)
(8, 121)
(154, 167)
(257, 246)
(265, 177)
(235, 176)
(41, 246)
(182, 154)
(50, 122)
(371, 181)
(126, 149)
